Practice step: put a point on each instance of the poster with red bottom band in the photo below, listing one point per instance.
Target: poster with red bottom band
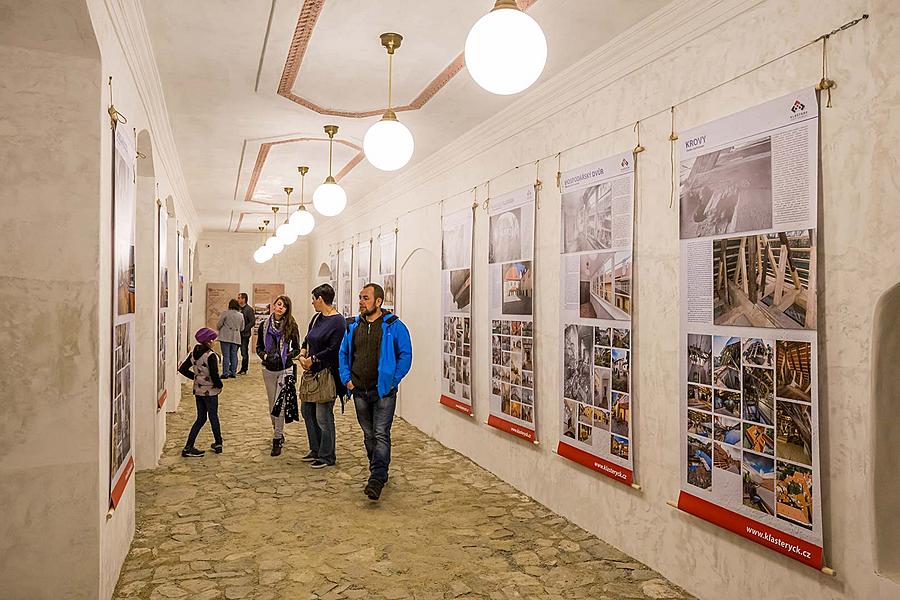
(121, 459)
(456, 308)
(511, 310)
(596, 206)
(749, 411)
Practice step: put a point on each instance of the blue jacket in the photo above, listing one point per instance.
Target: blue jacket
(395, 356)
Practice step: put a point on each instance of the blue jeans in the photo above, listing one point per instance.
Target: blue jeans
(229, 359)
(375, 416)
(206, 406)
(319, 419)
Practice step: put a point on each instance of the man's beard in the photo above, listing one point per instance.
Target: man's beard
(368, 313)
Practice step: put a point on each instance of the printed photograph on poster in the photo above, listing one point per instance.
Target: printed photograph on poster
(387, 253)
(758, 474)
(699, 359)
(794, 370)
(124, 232)
(728, 190)
(456, 243)
(122, 397)
(162, 258)
(793, 437)
(518, 288)
(161, 355)
(727, 362)
(511, 235)
(587, 218)
(794, 494)
(763, 280)
(363, 261)
(390, 290)
(726, 430)
(457, 290)
(759, 352)
(727, 458)
(699, 462)
(578, 342)
(700, 397)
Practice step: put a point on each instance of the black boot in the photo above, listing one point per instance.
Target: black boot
(277, 443)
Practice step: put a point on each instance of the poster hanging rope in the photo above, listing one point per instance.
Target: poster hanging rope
(673, 137)
(826, 84)
(114, 115)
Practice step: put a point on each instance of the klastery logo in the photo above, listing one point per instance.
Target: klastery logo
(624, 162)
(798, 106)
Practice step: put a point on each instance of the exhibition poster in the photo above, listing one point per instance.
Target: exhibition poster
(344, 279)
(386, 276)
(456, 308)
(363, 268)
(181, 345)
(121, 458)
(163, 301)
(749, 393)
(263, 295)
(597, 209)
(511, 310)
(217, 297)
(332, 272)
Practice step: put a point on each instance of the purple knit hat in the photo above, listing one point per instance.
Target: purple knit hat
(205, 334)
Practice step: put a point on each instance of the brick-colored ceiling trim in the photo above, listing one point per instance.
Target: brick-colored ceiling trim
(306, 22)
(263, 154)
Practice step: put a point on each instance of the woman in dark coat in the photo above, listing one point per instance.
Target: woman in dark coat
(320, 352)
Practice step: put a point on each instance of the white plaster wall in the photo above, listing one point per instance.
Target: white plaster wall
(115, 24)
(149, 422)
(228, 258)
(692, 47)
(49, 179)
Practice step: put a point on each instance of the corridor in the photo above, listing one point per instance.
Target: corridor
(242, 524)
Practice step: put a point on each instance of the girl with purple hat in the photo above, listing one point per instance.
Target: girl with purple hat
(277, 344)
(202, 365)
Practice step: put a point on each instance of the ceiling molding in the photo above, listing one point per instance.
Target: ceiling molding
(128, 23)
(306, 23)
(263, 155)
(663, 32)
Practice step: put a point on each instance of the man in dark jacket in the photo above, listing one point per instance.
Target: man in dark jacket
(249, 322)
(375, 355)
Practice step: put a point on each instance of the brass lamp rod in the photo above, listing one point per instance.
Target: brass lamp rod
(391, 41)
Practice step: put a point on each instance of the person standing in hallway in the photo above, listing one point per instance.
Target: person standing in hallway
(246, 332)
(375, 355)
(277, 344)
(202, 365)
(320, 353)
(231, 323)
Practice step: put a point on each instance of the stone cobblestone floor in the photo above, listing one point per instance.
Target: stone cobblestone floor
(242, 524)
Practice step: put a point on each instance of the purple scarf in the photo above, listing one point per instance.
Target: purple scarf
(275, 339)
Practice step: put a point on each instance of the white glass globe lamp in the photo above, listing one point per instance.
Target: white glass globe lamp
(303, 221)
(505, 50)
(330, 198)
(262, 254)
(286, 233)
(274, 245)
(388, 144)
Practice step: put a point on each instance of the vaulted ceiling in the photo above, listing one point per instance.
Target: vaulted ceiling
(249, 85)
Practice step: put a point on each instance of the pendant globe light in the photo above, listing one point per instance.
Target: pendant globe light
(302, 220)
(388, 144)
(273, 243)
(506, 50)
(330, 198)
(263, 254)
(286, 232)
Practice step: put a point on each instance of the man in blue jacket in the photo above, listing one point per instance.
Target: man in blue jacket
(376, 353)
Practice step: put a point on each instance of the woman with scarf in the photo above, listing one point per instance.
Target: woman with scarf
(277, 345)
